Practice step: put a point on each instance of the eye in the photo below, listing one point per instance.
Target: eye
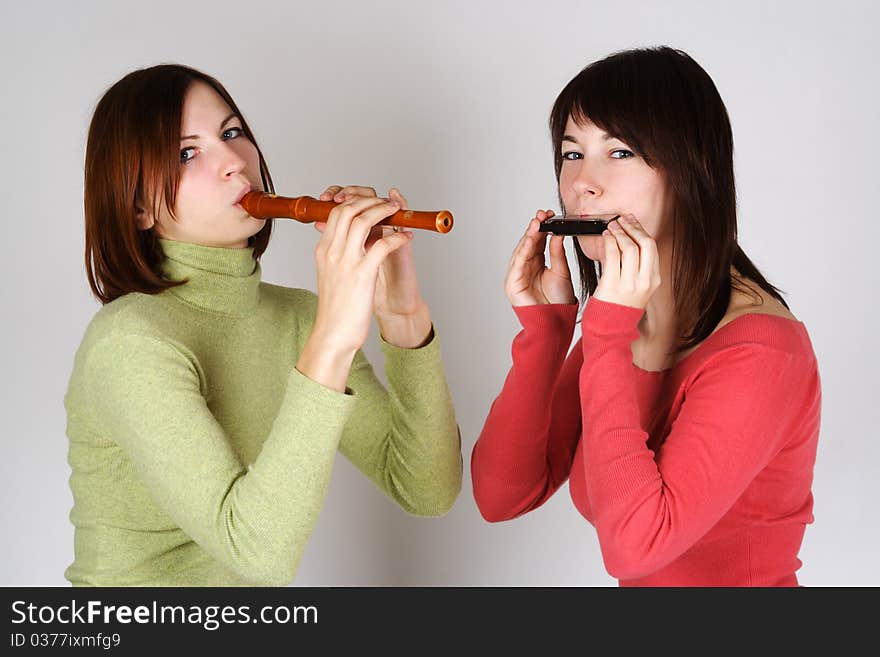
(232, 133)
(622, 154)
(187, 155)
(572, 155)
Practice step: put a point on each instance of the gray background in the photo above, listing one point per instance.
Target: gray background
(449, 101)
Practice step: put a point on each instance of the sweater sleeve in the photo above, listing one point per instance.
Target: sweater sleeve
(405, 438)
(146, 395)
(525, 450)
(649, 509)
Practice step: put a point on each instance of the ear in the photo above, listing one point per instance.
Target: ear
(144, 218)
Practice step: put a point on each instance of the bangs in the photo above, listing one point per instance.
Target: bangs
(609, 101)
(161, 106)
(636, 96)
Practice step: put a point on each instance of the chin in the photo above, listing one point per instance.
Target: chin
(243, 231)
(590, 245)
(258, 226)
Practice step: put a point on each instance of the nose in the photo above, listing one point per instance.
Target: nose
(233, 163)
(586, 182)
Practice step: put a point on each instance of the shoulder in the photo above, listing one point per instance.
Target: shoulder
(756, 317)
(134, 324)
(757, 334)
(755, 350)
(125, 339)
(748, 298)
(754, 322)
(132, 314)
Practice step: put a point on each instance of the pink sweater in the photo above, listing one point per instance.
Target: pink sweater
(698, 475)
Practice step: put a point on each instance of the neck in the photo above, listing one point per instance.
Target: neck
(219, 280)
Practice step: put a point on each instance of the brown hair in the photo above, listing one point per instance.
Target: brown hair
(133, 158)
(665, 107)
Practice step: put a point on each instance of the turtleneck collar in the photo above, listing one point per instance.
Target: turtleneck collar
(219, 280)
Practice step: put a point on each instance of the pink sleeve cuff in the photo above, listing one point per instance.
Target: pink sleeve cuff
(548, 318)
(606, 318)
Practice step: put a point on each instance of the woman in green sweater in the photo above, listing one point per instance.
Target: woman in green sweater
(206, 407)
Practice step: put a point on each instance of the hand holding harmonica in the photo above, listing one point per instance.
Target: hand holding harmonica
(307, 209)
(529, 281)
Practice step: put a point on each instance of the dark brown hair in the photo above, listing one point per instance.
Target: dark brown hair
(133, 159)
(665, 107)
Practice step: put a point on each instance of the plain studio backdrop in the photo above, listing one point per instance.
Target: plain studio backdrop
(448, 101)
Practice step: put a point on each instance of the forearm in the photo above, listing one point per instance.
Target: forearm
(513, 470)
(270, 513)
(426, 464)
(405, 438)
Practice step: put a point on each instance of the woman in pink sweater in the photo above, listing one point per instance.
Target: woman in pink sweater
(687, 415)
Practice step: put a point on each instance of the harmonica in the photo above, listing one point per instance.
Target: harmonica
(573, 224)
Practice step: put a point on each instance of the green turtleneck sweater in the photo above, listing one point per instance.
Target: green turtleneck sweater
(201, 456)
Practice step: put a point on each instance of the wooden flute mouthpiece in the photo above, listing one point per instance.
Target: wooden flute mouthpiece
(309, 210)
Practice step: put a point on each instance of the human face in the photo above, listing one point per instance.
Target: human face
(218, 164)
(601, 175)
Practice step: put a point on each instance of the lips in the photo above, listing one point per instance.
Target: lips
(241, 194)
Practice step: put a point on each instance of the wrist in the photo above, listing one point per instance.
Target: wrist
(407, 331)
(325, 362)
(620, 299)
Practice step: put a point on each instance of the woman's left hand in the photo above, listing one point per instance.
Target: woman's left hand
(400, 310)
(630, 264)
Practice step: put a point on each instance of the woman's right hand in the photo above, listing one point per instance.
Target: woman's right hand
(346, 273)
(529, 282)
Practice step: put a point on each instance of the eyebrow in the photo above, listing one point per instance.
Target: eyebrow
(225, 121)
(606, 137)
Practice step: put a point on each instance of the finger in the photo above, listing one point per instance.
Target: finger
(362, 224)
(382, 248)
(655, 273)
(540, 237)
(350, 191)
(525, 247)
(629, 252)
(395, 229)
(395, 195)
(541, 243)
(321, 226)
(530, 256)
(335, 215)
(611, 261)
(378, 232)
(328, 234)
(633, 228)
(542, 215)
(648, 258)
(341, 218)
(329, 193)
(522, 240)
(558, 258)
(642, 236)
